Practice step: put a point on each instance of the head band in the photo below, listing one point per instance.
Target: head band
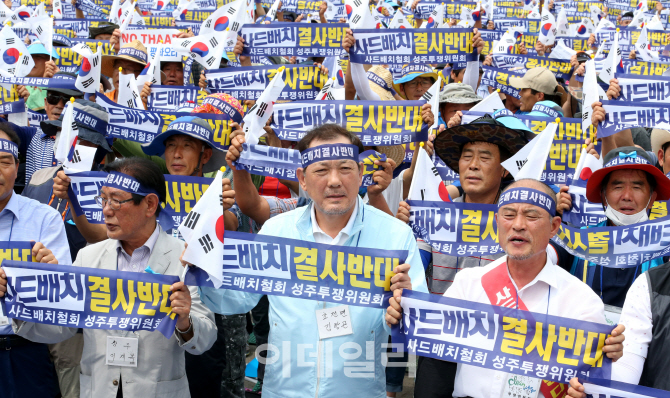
(9, 147)
(369, 167)
(127, 183)
(329, 152)
(530, 196)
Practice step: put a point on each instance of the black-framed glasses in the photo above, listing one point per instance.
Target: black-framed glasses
(54, 98)
(113, 203)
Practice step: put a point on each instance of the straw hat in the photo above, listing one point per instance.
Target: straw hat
(381, 82)
(133, 51)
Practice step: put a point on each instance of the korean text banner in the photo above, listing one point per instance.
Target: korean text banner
(642, 89)
(465, 229)
(643, 68)
(499, 79)
(182, 193)
(546, 347)
(90, 298)
(456, 229)
(303, 82)
(16, 250)
(375, 122)
(622, 115)
(527, 39)
(173, 98)
(301, 6)
(562, 69)
(39, 82)
(617, 247)
(142, 126)
(530, 25)
(509, 12)
(405, 46)
(293, 268)
(269, 161)
(288, 39)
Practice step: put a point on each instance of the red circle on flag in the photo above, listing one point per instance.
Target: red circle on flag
(585, 174)
(219, 228)
(442, 191)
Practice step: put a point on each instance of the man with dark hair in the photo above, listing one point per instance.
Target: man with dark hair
(27, 370)
(136, 244)
(336, 216)
(37, 145)
(525, 228)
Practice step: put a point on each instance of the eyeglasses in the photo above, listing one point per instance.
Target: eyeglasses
(415, 83)
(55, 98)
(113, 203)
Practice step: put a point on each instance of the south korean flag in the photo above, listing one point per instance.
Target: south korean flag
(206, 50)
(258, 115)
(58, 9)
(88, 76)
(15, 60)
(202, 230)
(129, 95)
(5, 12)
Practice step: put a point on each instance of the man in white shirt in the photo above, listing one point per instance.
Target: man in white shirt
(524, 230)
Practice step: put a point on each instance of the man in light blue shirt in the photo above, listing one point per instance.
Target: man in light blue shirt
(25, 367)
(300, 363)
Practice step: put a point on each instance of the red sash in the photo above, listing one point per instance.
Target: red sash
(501, 292)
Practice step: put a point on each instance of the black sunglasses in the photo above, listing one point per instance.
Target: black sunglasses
(55, 98)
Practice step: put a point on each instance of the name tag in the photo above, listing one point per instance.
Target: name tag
(612, 314)
(4, 321)
(334, 322)
(122, 351)
(521, 386)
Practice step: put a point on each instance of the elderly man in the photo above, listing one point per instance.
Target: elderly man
(182, 150)
(524, 231)
(336, 216)
(136, 243)
(27, 370)
(475, 151)
(627, 187)
(538, 84)
(37, 145)
(456, 97)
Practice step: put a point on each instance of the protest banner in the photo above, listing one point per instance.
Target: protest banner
(293, 268)
(375, 122)
(530, 344)
(172, 98)
(293, 39)
(89, 298)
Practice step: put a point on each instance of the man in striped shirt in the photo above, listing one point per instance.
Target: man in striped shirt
(37, 146)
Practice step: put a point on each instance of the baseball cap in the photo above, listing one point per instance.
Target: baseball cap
(538, 79)
(459, 93)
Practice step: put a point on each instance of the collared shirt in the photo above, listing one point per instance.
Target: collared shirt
(637, 317)
(569, 298)
(342, 236)
(37, 147)
(138, 261)
(25, 219)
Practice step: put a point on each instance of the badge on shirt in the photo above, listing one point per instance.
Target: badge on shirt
(334, 322)
(122, 351)
(4, 321)
(521, 386)
(612, 314)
